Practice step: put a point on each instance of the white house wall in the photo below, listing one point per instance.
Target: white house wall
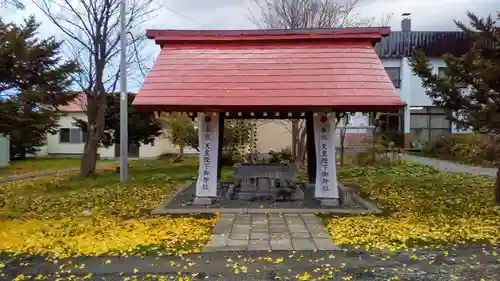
(418, 97)
(55, 147)
(161, 146)
(417, 94)
(411, 90)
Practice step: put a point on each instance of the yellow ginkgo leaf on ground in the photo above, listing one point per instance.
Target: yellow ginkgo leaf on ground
(424, 206)
(121, 222)
(304, 276)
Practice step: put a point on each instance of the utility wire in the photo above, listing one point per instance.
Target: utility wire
(186, 17)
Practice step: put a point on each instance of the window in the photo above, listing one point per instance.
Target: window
(71, 135)
(441, 73)
(394, 74)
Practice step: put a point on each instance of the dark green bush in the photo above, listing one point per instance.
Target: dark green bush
(475, 149)
(231, 157)
(284, 155)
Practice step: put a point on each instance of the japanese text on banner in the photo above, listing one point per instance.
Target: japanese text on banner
(206, 157)
(324, 159)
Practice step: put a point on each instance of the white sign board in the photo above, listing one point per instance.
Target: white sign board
(326, 170)
(208, 129)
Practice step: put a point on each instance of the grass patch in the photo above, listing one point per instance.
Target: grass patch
(41, 164)
(425, 207)
(65, 215)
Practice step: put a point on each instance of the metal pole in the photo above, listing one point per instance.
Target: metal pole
(123, 98)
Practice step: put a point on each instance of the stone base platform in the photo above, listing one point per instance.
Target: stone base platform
(183, 202)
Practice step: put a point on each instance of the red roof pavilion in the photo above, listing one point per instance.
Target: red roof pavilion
(268, 70)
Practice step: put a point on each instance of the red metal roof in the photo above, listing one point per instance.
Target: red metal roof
(268, 70)
(78, 104)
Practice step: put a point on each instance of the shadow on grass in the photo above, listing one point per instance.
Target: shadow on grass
(141, 173)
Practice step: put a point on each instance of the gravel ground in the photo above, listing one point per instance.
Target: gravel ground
(450, 166)
(472, 263)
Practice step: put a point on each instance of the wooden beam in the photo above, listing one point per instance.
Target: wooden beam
(311, 148)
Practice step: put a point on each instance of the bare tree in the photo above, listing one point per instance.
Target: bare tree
(297, 14)
(92, 28)
(15, 3)
(343, 132)
(301, 14)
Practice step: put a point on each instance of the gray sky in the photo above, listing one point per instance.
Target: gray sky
(427, 15)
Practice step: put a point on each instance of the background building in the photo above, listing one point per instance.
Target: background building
(69, 141)
(420, 121)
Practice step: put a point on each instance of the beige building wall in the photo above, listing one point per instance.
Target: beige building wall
(276, 134)
(162, 145)
(54, 147)
(273, 135)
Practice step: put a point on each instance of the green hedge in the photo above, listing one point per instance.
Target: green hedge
(474, 149)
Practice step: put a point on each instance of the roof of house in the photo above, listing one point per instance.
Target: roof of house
(313, 69)
(162, 36)
(78, 104)
(433, 43)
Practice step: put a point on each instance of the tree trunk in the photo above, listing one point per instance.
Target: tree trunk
(96, 109)
(343, 132)
(302, 145)
(295, 139)
(180, 156)
(255, 141)
(342, 147)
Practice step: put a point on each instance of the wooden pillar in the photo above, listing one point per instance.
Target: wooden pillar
(326, 185)
(208, 134)
(311, 148)
(221, 145)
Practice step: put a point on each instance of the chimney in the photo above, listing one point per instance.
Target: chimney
(406, 22)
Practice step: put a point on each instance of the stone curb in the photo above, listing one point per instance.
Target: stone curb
(371, 206)
(163, 211)
(160, 207)
(367, 203)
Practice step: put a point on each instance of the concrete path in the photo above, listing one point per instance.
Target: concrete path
(48, 173)
(263, 232)
(450, 166)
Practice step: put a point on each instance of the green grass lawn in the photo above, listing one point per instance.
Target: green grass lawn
(423, 207)
(41, 164)
(66, 215)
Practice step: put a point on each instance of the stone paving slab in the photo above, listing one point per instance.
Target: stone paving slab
(264, 232)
